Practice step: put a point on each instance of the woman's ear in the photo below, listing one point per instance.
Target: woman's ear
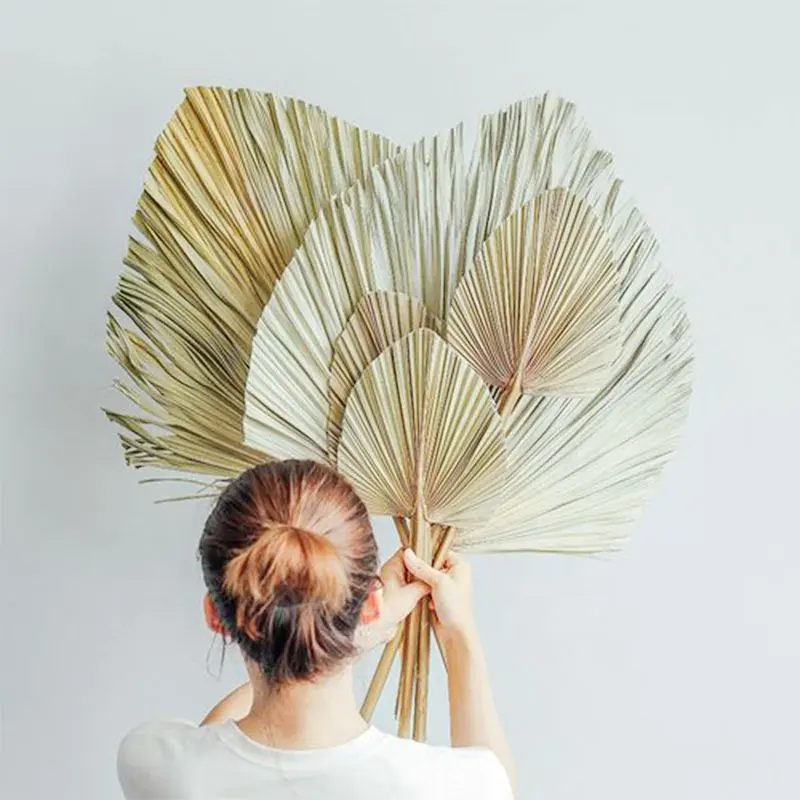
(373, 606)
(212, 616)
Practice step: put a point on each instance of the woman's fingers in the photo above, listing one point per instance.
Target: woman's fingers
(410, 595)
(419, 569)
(452, 560)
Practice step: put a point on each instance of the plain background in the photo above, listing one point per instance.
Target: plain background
(668, 672)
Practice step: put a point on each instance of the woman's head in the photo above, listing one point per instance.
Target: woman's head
(289, 559)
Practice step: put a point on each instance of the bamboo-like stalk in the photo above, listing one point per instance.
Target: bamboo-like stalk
(381, 674)
(420, 535)
(424, 656)
(384, 667)
(423, 672)
(423, 652)
(401, 526)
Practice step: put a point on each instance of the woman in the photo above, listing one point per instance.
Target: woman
(290, 562)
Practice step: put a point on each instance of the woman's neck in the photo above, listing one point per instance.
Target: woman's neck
(304, 716)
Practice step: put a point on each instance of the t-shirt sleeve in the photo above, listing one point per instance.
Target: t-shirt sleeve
(148, 758)
(475, 773)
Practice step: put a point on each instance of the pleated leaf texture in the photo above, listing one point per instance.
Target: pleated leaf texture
(489, 336)
(421, 431)
(539, 279)
(540, 310)
(581, 468)
(380, 320)
(414, 227)
(237, 178)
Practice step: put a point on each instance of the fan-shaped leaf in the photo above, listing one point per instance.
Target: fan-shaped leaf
(237, 178)
(420, 431)
(580, 470)
(534, 145)
(380, 319)
(540, 310)
(399, 232)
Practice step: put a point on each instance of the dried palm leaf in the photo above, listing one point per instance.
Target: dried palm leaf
(532, 146)
(414, 227)
(287, 405)
(539, 313)
(380, 319)
(237, 178)
(387, 235)
(421, 439)
(420, 431)
(581, 469)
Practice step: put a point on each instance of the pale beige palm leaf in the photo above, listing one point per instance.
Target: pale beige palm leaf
(380, 319)
(420, 432)
(539, 313)
(581, 469)
(287, 404)
(237, 178)
(415, 229)
(397, 232)
(535, 144)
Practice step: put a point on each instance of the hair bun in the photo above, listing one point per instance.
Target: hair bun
(285, 564)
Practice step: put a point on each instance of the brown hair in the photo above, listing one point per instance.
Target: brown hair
(289, 557)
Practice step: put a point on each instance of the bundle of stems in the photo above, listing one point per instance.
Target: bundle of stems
(485, 346)
(432, 544)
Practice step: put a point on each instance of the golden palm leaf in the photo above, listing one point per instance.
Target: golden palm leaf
(237, 178)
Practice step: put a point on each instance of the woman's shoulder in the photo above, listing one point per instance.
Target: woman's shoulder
(150, 756)
(465, 771)
(163, 736)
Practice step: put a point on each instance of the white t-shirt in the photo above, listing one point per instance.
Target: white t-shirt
(179, 760)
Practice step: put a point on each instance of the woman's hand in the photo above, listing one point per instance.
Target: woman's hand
(451, 592)
(398, 597)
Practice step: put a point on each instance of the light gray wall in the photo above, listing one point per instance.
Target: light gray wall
(669, 672)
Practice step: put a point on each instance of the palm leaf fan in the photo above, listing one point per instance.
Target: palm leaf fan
(236, 180)
(380, 319)
(414, 227)
(421, 439)
(539, 312)
(581, 468)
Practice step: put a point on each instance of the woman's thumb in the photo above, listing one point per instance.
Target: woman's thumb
(419, 569)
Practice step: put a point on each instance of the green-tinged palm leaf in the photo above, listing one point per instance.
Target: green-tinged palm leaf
(540, 311)
(380, 319)
(237, 178)
(420, 431)
(580, 470)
